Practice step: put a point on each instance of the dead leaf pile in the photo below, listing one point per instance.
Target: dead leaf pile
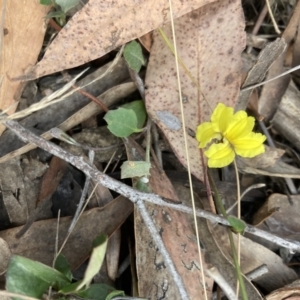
(37, 186)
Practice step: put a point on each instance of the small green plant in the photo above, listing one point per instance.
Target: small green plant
(133, 55)
(61, 8)
(32, 278)
(127, 119)
(122, 122)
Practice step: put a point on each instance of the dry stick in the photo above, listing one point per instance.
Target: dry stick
(272, 17)
(160, 244)
(103, 179)
(91, 97)
(83, 209)
(253, 186)
(289, 182)
(222, 283)
(258, 23)
(83, 194)
(158, 156)
(70, 232)
(251, 87)
(52, 99)
(187, 155)
(28, 137)
(56, 239)
(257, 272)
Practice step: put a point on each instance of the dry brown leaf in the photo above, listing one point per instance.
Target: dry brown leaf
(253, 256)
(102, 26)
(39, 241)
(24, 30)
(4, 255)
(289, 292)
(286, 119)
(146, 41)
(273, 91)
(109, 98)
(214, 60)
(279, 169)
(214, 254)
(258, 71)
(285, 221)
(262, 161)
(51, 178)
(177, 232)
(13, 192)
(285, 293)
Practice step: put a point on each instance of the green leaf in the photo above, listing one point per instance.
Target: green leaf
(138, 107)
(134, 56)
(46, 2)
(130, 169)
(31, 278)
(115, 294)
(98, 291)
(63, 266)
(122, 122)
(56, 14)
(71, 288)
(67, 4)
(142, 186)
(237, 225)
(95, 262)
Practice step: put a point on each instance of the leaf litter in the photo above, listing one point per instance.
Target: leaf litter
(199, 35)
(79, 43)
(17, 28)
(214, 59)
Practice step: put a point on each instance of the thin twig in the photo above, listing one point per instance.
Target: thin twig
(250, 188)
(156, 146)
(251, 87)
(222, 283)
(69, 232)
(83, 195)
(56, 239)
(91, 97)
(53, 98)
(187, 155)
(134, 195)
(258, 23)
(272, 17)
(160, 244)
(257, 272)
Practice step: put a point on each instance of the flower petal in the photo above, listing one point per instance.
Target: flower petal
(250, 145)
(221, 117)
(240, 126)
(219, 155)
(205, 134)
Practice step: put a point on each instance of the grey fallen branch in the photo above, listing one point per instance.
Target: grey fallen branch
(130, 193)
(101, 178)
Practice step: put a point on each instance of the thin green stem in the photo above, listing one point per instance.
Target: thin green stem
(238, 197)
(222, 209)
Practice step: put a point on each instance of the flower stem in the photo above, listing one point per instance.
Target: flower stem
(238, 198)
(221, 209)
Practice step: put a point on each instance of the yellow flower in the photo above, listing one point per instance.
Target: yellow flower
(233, 135)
